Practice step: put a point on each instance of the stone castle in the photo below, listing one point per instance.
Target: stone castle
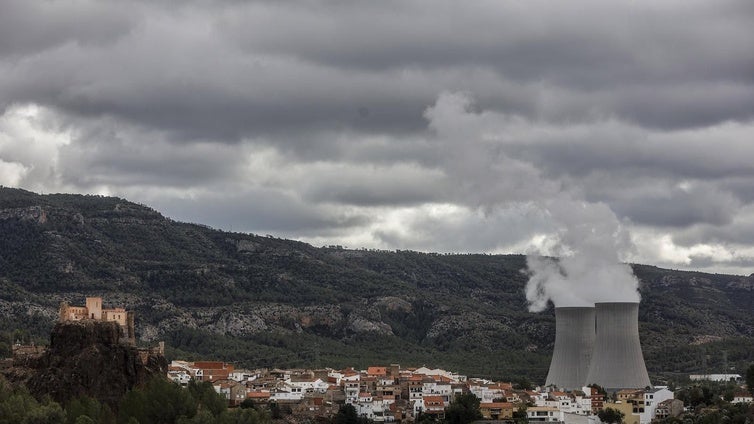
(94, 311)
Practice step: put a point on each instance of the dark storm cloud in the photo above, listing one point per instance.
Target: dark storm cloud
(377, 122)
(151, 161)
(376, 186)
(739, 231)
(258, 211)
(679, 208)
(30, 27)
(247, 69)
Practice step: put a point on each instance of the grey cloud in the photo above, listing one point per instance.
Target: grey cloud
(30, 27)
(708, 262)
(679, 208)
(376, 186)
(143, 158)
(242, 70)
(643, 108)
(464, 230)
(256, 210)
(739, 231)
(630, 48)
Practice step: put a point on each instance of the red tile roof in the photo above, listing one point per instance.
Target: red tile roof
(429, 400)
(377, 370)
(489, 405)
(209, 365)
(258, 395)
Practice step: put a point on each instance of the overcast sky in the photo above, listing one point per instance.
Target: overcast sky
(484, 126)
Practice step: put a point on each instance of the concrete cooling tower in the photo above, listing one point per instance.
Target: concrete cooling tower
(617, 361)
(574, 341)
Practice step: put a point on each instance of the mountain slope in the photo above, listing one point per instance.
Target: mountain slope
(271, 302)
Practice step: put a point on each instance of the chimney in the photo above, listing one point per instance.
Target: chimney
(617, 361)
(574, 342)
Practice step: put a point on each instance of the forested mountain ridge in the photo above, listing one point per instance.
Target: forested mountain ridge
(264, 301)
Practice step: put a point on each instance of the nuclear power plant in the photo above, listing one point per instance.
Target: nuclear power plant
(598, 345)
(574, 342)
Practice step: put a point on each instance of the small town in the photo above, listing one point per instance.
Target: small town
(396, 394)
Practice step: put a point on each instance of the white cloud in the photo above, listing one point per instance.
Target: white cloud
(30, 141)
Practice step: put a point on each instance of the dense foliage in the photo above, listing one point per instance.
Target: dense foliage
(197, 288)
(611, 416)
(159, 402)
(464, 409)
(17, 406)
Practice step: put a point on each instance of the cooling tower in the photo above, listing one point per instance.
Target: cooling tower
(617, 361)
(574, 341)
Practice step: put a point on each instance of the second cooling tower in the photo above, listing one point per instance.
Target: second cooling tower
(617, 361)
(574, 340)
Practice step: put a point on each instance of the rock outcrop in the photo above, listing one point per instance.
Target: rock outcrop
(87, 358)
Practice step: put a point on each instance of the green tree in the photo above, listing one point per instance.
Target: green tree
(87, 407)
(523, 383)
(18, 406)
(346, 415)
(246, 416)
(426, 419)
(463, 410)
(750, 379)
(247, 403)
(276, 413)
(519, 415)
(160, 401)
(207, 397)
(611, 416)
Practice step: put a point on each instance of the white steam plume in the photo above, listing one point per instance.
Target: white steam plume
(587, 237)
(589, 268)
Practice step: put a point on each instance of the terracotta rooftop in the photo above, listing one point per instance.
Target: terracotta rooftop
(496, 405)
(258, 395)
(433, 400)
(377, 370)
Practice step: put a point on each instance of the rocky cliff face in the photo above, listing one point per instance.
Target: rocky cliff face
(87, 358)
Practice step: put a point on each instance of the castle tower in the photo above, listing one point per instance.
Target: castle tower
(63, 313)
(94, 307)
(574, 342)
(617, 361)
(130, 328)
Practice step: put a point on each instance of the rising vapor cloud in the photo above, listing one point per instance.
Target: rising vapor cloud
(588, 238)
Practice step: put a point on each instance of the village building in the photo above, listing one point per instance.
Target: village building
(391, 394)
(544, 414)
(669, 408)
(742, 396)
(496, 410)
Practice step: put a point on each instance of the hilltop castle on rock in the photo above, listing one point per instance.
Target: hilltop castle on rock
(94, 311)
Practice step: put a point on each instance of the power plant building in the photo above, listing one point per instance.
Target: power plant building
(574, 342)
(598, 345)
(617, 361)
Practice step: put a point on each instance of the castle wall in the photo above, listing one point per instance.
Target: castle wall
(118, 315)
(74, 313)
